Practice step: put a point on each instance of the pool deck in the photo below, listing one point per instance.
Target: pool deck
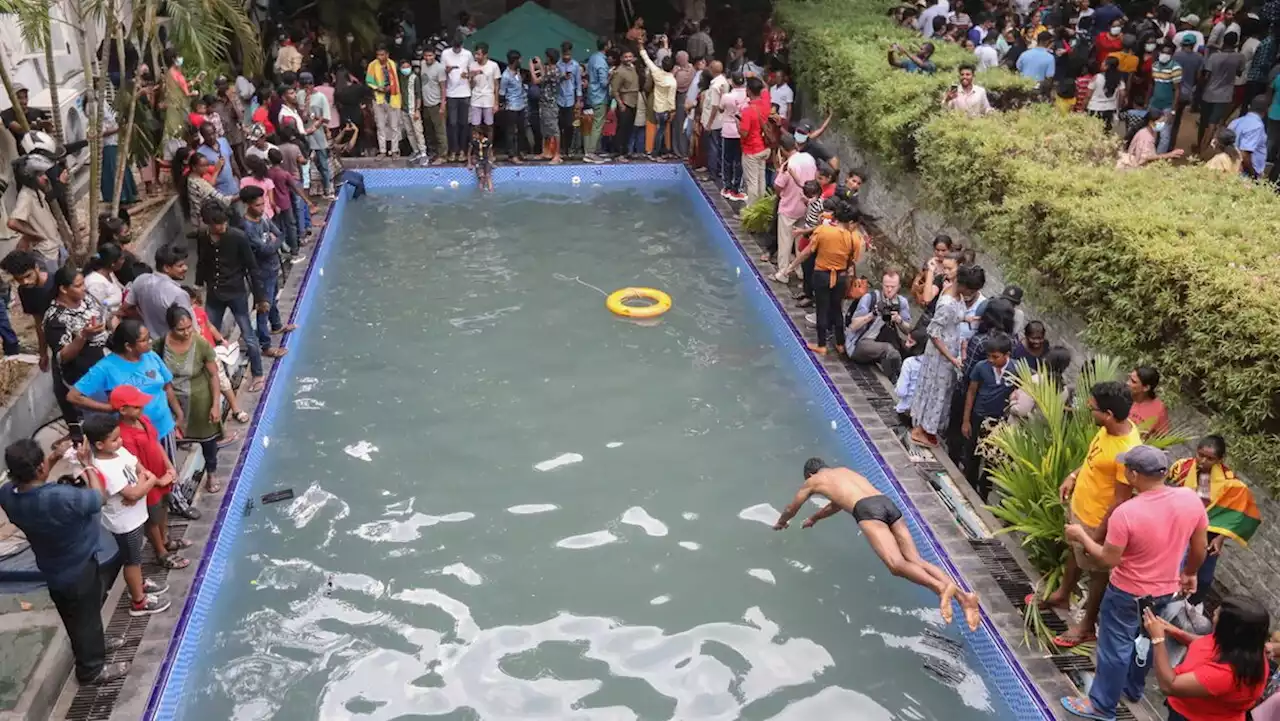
(990, 566)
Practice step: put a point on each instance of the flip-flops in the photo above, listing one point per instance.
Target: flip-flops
(1063, 642)
(1083, 708)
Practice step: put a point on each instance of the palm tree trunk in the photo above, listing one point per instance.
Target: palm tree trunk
(95, 83)
(19, 115)
(52, 72)
(129, 92)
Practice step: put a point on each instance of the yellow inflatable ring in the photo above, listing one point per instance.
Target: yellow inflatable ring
(617, 303)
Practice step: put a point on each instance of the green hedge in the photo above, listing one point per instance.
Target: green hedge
(1176, 266)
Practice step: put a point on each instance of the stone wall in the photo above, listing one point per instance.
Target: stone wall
(594, 15)
(894, 199)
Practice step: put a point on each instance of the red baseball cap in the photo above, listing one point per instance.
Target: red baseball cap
(122, 396)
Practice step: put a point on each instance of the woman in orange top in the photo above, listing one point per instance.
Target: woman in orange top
(838, 247)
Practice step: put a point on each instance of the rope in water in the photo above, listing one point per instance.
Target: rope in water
(579, 281)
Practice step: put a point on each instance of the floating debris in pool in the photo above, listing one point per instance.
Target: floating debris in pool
(528, 508)
(586, 540)
(659, 600)
(361, 450)
(946, 644)
(308, 404)
(564, 459)
(453, 183)
(833, 425)
(266, 441)
(613, 444)
(637, 516)
(945, 670)
(576, 180)
(689, 516)
(763, 574)
(690, 545)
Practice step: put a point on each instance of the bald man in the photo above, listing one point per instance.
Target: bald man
(711, 120)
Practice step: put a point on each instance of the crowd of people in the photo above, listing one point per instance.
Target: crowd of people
(1141, 64)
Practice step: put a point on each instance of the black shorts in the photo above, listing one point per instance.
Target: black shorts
(130, 545)
(876, 508)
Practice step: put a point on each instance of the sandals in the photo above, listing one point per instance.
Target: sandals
(211, 485)
(1083, 708)
(177, 544)
(1061, 641)
(240, 416)
(174, 562)
(257, 385)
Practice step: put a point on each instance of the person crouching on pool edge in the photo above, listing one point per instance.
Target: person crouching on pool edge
(480, 157)
(882, 524)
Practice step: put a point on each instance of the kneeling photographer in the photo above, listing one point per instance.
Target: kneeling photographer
(880, 325)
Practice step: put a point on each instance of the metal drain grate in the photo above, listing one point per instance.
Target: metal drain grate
(95, 703)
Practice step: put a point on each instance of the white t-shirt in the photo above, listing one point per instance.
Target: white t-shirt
(288, 113)
(104, 287)
(783, 97)
(987, 56)
(484, 83)
(456, 63)
(117, 474)
(1248, 48)
(1098, 100)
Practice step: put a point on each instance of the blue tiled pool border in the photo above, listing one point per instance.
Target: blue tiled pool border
(999, 663)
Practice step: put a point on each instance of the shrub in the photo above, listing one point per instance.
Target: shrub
(1173, 266)
(758, 217)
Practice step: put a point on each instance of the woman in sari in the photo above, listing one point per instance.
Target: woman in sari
(194, 366)
(1233, 513)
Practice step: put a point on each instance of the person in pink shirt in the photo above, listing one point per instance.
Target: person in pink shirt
(731, 103)
(1147, 539)
(257, 177)
(1148, 412)
(795, 168)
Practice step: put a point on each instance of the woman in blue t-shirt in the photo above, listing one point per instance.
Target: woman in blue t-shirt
(131, 362)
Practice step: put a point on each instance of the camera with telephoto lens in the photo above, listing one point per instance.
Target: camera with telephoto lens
(886, 308)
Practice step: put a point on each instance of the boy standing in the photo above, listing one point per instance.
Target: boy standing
(265, 240)
(987, 398)
(124, 483)
(139, 437)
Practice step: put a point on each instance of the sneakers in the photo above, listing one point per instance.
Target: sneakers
(726, 194)
(811, 319)
(740, 197)
(150, 605)
(804, 303)
(107, 674)
(113, 644)
(593, 158)
(154, 588)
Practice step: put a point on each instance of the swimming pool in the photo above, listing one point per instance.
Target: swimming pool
(512, 504)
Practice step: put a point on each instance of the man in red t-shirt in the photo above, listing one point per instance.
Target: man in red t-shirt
(139, 438)
(752, 120)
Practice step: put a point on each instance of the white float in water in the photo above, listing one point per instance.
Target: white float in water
(613, 444)
(586, 540)
(833, 425)
(361, 450)
(564, 459)
(576, 180)
(659, 600)
(690, 545)
(528, 508)
(453, 183)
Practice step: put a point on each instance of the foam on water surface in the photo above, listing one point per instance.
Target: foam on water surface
(564, 459)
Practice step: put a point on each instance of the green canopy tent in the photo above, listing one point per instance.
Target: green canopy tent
(530, 29)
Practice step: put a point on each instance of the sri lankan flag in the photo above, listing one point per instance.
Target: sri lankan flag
(1232, 511)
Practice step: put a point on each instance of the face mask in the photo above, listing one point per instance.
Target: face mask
(1165, 57)
(1115, 31)
(351, 38)
(399, 40)
(1149, 47)
(178, 62)
(801, 137)
(405, 71)
(1160, 126)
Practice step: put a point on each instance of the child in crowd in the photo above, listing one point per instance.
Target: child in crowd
(285, 185)
(199, 114)
(827, 180)
(225, 352)
(480, 157)
(989, 386)
(294, 160)
(812, 218)
(139, 437)
(123, 481)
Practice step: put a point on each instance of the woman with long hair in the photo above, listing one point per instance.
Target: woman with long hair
(1149, 412)
(100, 276)
(75, 327)
(191, 181)
(1233, 512)
(194, 366)
(1224, 673)
(1106, 92)
(931, 402)
(1227, 159)
(546, 75)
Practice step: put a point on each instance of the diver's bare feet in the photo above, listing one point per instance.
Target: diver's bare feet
(948, 593)
(972, 611)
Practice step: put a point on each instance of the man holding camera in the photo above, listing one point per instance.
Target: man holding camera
(61, 522)
(880, 324)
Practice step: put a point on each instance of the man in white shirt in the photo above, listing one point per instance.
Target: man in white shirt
(988, 56)
(967, 97)
(484, 89)
(782, 95)
(1189, 25)
(1224, 26)
(711, 121)
(457, 64)
(941, 9)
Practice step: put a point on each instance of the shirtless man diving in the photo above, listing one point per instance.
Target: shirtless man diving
(881, 522)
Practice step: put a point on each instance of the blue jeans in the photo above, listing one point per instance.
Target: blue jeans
(637, 140)
(322, 164)
(286, 219)
(301, 212)
(270, 320)
(1204, 578)
(1118, 625)
(7, 336)
(715, 149)
(239, 308)
(660, 140)
(731, 168)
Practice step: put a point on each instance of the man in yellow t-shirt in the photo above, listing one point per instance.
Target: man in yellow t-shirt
(1094, 490)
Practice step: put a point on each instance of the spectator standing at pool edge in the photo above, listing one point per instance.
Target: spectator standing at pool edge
(61, 524)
